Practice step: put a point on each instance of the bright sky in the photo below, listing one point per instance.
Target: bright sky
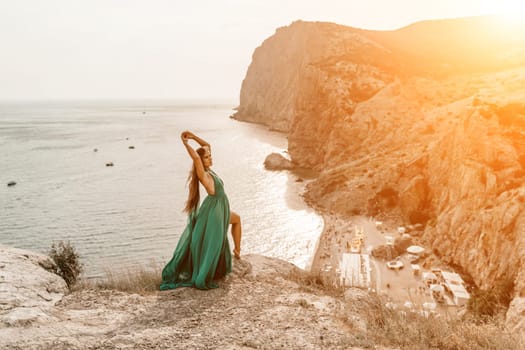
(171, 49)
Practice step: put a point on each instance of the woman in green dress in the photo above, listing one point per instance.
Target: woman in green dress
(203, 254)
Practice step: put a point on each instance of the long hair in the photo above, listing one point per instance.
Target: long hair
(193, 186)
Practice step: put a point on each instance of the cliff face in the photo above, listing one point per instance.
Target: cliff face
(426, 135)
(456, 167)
(275, 68)
(287, 68)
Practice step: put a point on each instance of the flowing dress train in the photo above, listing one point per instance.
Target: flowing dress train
(203, 253)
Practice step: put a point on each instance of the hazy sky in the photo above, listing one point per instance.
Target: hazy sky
(73, 49)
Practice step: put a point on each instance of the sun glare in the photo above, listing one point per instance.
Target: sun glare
(511, 11)
(510, 16)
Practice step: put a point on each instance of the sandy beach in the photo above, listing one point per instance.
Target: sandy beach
(400, 286)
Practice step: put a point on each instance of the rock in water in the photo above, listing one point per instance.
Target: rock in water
(275, 161)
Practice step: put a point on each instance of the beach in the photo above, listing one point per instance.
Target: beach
(402, 287)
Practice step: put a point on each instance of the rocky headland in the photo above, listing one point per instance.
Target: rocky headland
(421, 125)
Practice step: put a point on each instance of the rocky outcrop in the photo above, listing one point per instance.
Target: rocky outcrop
(431, 136)
(275, 161)
(28, 291)
(263, 304)
(284, 90)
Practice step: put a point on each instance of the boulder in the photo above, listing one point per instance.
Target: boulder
(28, 290)
(275, 161)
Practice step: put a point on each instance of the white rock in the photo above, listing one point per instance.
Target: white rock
(27, 290)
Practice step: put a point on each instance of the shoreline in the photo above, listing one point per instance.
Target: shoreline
(400, 286)
(336, 237)
(130, 214)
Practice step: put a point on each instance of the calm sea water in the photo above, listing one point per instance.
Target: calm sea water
(131, 214)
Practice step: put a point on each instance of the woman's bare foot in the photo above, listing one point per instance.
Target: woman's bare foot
(236, 254)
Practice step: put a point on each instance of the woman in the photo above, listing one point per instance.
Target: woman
(203, 254)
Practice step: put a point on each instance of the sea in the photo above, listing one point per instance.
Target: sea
(129, 215)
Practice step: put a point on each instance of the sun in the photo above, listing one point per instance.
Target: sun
(510, 10)
(509, 15)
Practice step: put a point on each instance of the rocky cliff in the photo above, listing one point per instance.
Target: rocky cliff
(426, 124)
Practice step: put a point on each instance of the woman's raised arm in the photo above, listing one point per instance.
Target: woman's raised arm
(200, 141)
(205, 179)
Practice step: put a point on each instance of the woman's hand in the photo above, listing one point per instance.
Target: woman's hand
(185, 136)
(188, 135)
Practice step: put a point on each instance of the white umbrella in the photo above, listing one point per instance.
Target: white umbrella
(415, 249)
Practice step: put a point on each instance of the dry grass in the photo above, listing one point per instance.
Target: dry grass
(411, 330)
(370, 323)
(316, 282)
(141, 280)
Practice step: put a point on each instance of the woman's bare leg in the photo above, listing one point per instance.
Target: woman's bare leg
(235, 220)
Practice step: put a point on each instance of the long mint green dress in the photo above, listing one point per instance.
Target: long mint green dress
(203, 252)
